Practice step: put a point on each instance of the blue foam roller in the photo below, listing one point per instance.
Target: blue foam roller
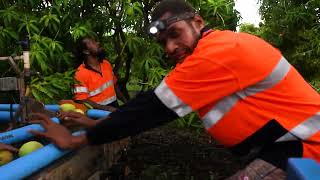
(33, 162)
(5, 116)
(6, 107)
(96, 113)
(303, 169)
(51, 107)
(21, 134)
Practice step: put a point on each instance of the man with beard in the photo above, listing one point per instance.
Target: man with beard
(246, 93)
(96, 81)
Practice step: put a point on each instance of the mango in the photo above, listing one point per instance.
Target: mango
(67, 107)
(29, 147)
(5, 157)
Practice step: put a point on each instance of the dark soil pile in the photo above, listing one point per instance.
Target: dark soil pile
(175, 153)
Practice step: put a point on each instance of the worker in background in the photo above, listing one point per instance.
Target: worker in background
(97, 84)
(246, 93)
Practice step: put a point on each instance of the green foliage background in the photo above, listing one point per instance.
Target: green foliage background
(293, 27)
(54, 26)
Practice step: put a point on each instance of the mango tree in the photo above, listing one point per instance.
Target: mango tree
(294, 27)
(54, 27)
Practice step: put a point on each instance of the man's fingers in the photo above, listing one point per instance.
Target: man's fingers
(12, 149)
(8, 147)
(69, 114)
(38, 122)
(68, 119)
(62, 115)
(43, 124)
(76, 114)
(39, 116)
(39, 134)
(67, 123)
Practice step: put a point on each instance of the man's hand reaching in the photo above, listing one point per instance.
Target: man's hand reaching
(56, 133)
(70, 119)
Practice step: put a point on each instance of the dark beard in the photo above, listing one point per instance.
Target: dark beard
(99, 53)
(196, 35)
(102, 55)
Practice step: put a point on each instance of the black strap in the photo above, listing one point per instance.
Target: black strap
(144, 112)
(205, 29)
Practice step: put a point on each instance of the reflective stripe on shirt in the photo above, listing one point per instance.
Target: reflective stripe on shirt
(226, 104)
(101, 88)
(80, 90)
(108, 100)
(173, 102)
(304, 130)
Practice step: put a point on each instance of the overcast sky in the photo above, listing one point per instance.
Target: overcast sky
(249, 10)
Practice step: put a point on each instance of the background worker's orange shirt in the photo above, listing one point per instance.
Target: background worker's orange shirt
(95, 86)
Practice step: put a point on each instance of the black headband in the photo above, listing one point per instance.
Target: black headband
(160, 25)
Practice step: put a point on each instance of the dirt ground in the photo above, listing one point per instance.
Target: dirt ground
(175, 153)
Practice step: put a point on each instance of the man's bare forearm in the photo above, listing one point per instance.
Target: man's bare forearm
(78, 141)
(93, 123)
(98, 106)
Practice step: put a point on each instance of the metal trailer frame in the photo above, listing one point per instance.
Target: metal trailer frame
(20, 82)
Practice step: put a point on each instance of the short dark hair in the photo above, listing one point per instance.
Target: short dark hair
(174, 7)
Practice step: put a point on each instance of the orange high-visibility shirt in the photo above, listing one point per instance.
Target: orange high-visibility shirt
(240, 86)
(95, 86)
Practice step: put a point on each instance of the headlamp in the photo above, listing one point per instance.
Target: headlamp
(161, 25)
(156, 27)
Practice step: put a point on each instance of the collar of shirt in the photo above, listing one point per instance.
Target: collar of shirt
(87, 66)
(205, 31)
